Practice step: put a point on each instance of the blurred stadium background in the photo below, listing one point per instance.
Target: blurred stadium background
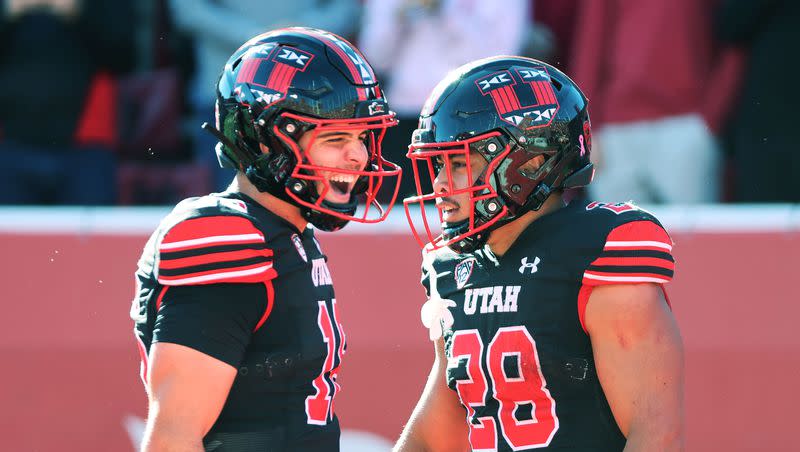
(100, 106)
(70, 379)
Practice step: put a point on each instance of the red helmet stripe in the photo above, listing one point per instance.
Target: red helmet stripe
(248, 70)
(274, 76)
(512, 95)
(361, 92)
(506, 100)
(544, 92)
(353, 70)
(499, 103)
(537, 90)
(551, 93)
(286, 78)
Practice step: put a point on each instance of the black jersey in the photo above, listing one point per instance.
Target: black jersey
(518, 354)
(225, 276)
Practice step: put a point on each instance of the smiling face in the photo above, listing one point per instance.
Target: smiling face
(341, 152)
(454, 200)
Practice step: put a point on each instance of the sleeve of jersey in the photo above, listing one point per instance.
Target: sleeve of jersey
(635, 252)
(215, 249)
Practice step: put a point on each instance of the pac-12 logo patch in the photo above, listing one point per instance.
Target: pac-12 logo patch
(523, 97)
(464, 271)
(298, 243)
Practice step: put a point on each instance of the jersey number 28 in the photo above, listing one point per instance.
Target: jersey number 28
(512, 390)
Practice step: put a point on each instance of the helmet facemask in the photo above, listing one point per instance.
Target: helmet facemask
(540, 119)
(308, 182)
(481, 206)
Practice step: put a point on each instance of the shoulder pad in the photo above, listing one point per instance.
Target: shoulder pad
(637, 249)
(620, 210)
(212, 245)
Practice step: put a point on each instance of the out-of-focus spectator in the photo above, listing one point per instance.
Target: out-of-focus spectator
(219, 27)
(57, 98)
(559, 19)
(414, 43)
(761, 135)
(156, 162)
(659, 88)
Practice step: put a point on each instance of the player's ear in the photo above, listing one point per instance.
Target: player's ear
(264, 148)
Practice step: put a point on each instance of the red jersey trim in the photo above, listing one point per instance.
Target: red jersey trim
(270, 304)
(210, 258)
(249, 274)
(209, 231)
(619, 262)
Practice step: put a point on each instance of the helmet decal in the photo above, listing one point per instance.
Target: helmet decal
(587, 137)
(282, 66)
(538, 103)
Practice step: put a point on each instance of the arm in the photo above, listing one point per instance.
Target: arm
(200, 337)
(639, 358)
(438, 421)
(186, 392)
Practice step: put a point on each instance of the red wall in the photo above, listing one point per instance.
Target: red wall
(70, 366)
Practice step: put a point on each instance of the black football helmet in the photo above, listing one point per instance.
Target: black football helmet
(508, 110)
(285, 83)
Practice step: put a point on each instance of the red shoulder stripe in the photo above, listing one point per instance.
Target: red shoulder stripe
(246, 274)
(633, 261)
(210, 231)
(214, 249)
(219, 257)
(596, 278)
(639, 235)
(635, 252)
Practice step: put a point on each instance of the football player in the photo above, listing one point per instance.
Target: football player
(550, 325)
(235, 312)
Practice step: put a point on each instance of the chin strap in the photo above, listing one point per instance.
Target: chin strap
(245, 159)
(324, 221)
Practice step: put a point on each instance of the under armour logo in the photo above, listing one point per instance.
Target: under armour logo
(525, 265)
